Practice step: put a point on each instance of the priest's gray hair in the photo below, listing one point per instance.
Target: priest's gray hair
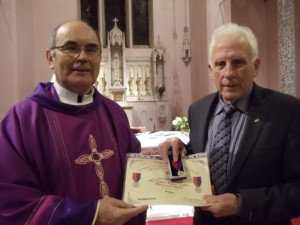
(52, 39)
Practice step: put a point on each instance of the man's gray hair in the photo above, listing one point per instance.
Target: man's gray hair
(234, 29)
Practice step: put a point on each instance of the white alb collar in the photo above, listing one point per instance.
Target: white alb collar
(72, 98)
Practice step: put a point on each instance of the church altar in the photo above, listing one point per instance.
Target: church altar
(134, 77)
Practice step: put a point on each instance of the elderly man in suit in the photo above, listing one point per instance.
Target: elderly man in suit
(261, 169)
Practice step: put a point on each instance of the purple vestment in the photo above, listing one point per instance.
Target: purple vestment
(57, 160)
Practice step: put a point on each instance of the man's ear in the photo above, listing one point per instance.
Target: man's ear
(256, 66)
(210, 72)
(50, 58)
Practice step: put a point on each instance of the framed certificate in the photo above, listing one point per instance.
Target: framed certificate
(148, 182)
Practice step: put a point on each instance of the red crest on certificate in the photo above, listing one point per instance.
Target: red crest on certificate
(197, 181)
(136, 177)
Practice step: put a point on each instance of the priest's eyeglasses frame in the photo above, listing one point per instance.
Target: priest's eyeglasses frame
(91, 51)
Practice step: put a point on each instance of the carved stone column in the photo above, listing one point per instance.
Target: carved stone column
(286, 46)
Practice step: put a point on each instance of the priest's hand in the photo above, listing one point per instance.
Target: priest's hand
(150, 151)
(116, 212)
(172, 144)
(222, 205)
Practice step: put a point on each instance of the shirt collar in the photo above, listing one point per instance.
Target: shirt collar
(241, 104)
(72, 98)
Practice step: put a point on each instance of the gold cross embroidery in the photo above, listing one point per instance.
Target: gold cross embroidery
(96, 157)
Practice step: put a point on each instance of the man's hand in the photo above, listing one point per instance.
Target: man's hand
(223, 205)
(172, 143)
(116, 212)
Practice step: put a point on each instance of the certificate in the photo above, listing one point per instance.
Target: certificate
(147, 181)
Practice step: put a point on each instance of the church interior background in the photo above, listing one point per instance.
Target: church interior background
(154, 61)
(133, 67)
(132, 70)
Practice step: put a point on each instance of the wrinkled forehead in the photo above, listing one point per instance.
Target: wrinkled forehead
(77, 32)
(231, 45)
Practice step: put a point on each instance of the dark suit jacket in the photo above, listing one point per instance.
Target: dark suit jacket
(266, 171)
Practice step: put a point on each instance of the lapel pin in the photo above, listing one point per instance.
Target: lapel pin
(256, 120)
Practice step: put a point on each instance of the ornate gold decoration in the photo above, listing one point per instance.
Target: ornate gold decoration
(96, 158)
(118, 96)
(131, 85)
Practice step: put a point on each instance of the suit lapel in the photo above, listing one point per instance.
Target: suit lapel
(205, 119)
(257, 114)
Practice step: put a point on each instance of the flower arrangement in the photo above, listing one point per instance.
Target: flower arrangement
(160, 90)
(181, 123)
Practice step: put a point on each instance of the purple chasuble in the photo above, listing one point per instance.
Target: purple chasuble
(57, 160)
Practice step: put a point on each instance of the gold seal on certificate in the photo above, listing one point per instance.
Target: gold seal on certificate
(148, 181)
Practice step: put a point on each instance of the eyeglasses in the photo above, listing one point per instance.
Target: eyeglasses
(75, 50)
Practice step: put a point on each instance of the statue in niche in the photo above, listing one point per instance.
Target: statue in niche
(159, 50)
(131, 86)
(139, 87)
(116, 70)
(147, 86)
(159, 73)
(103, 84)
(162, 114)
(159, 53)
(147, 81)
(131, 81)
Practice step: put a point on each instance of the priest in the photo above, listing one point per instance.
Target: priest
(63, 148)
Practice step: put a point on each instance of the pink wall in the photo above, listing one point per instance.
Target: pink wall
(47, 15)
(261, 17)
(7, 49)
(199, 68)
(24, 28)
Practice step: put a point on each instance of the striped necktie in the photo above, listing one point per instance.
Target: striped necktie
(218, 157)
